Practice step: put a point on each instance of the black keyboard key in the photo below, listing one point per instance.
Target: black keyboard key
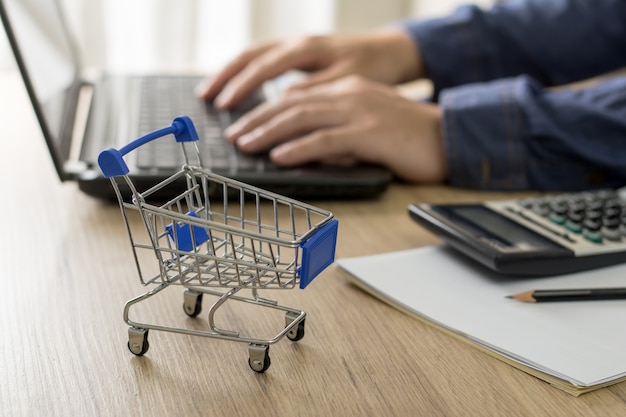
(159, 107)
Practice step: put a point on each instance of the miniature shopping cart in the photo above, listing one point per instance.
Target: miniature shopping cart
(217, 237)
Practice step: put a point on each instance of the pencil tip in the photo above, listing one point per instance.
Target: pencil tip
(527, 297)
(508, 296)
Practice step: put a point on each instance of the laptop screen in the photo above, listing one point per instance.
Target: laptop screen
(46, 58)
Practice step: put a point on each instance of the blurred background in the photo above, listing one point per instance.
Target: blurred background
(202, 35)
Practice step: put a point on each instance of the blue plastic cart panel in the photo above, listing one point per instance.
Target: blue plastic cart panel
(318, 252)
(183, 237)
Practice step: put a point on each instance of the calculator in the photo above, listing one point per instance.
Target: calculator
(539, 236)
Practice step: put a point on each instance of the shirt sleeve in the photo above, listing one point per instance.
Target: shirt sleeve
(556, 42)
(513, 134)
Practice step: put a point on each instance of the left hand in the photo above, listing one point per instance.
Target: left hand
(388, 55)
(347, 120)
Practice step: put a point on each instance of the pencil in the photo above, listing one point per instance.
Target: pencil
(580, 294)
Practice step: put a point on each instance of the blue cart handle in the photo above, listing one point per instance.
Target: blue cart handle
(111, 162)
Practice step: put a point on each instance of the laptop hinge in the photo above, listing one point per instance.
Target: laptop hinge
(74, 164)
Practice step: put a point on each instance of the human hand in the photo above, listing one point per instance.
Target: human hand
(347, 120)
(388, 56)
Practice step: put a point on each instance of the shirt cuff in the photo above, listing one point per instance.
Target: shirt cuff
(484, 129)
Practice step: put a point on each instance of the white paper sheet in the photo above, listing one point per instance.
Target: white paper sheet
(582, 343)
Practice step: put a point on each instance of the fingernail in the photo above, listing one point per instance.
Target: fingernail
(232, 130)
(200, 89)
(244, 140)
(224, 98)
(279, 153)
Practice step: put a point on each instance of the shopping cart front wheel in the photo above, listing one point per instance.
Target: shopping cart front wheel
(259, 358)
(192, 303)
(138, 341)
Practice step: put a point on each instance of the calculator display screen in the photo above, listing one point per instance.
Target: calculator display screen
(483, 222)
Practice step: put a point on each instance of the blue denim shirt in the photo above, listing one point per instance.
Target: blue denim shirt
(503, 127)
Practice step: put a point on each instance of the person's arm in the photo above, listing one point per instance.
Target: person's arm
(513, 134)
(556, 41)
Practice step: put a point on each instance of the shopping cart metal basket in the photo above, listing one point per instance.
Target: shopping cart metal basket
(217, 238)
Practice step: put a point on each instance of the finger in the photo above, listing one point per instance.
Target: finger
(268, 110)
(253, 119)
(341, 160)
(291, 123)
(271, 64)
(325, 144)
(321, 77)
(210, 87)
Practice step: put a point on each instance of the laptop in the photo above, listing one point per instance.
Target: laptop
(81, 115)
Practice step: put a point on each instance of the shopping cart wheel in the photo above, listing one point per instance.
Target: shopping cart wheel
(297, 332)
(192, 302)
(138, 341)
(259, 357)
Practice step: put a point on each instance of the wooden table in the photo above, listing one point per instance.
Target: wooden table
(67, 272)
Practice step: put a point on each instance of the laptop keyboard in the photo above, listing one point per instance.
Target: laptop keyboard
(165, 97)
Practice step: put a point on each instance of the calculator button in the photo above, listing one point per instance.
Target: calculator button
(577, 207)
(593, 237)
(527, 203)
(595, 205)
(541, 209)
(573, 227)
(593, 225)
(575, 216)
(611, 203)
(605, 194)
(593, 214)
(556, 219)
(559, 207)
(612, 212)
(611, 234)
(610, 222)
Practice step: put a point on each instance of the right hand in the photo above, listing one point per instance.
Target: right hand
(388, 56)
(345, 121)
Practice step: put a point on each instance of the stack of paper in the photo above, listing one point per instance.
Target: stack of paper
(576, 346)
